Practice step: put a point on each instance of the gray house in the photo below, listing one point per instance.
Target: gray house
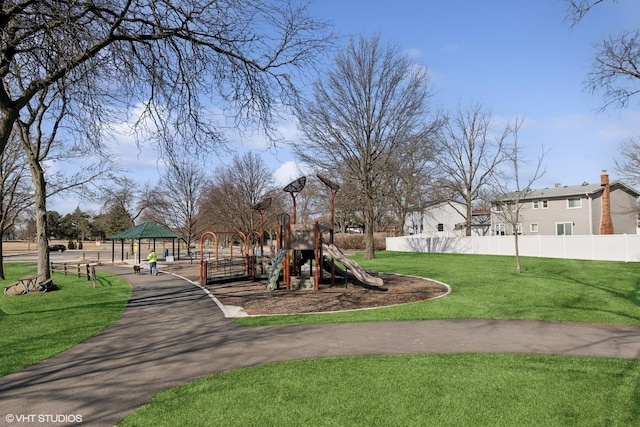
(604, 208)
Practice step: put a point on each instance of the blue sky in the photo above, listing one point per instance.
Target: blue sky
(515, 57)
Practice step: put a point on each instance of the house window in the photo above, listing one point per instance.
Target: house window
(500, 229)
(533, 228)
(506, 207)
(536, 204)
(519, 228)
(545, 204)
(564, 228)
(440, 227)
(574, 203)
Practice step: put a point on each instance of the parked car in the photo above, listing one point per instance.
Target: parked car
(57, 248)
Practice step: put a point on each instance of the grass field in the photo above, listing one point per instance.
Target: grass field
(442, 390)
(434, 390)
(487, 287)
(20, 246)
(38, 326)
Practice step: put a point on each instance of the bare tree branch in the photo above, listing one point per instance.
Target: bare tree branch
(577, 9)
(511, 192)
(175, 57)
(361, 115)
(470, 154)
(616, 69)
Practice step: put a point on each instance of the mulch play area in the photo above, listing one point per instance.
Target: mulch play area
(255, 299)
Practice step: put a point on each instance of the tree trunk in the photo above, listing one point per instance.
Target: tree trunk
(469, 219)
(42, 243)
(517, 252)
(1, 257)
(369, 250)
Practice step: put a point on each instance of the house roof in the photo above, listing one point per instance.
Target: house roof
(569, 190)
(146, 230)
(480, 212)
(432, 204)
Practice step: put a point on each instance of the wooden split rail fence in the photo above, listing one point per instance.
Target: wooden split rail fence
(78, 269)
(31, 283)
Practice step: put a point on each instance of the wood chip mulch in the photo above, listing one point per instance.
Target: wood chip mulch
(255, 299)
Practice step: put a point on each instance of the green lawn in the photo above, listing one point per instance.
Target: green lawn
(487, 287)
(430, 390)
(38, 326)
(442, 390)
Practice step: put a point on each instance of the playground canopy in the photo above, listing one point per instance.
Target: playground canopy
(144, 231)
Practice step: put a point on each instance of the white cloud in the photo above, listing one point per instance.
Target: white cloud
(287, 172)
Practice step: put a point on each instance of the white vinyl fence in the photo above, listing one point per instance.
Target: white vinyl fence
(617, 247)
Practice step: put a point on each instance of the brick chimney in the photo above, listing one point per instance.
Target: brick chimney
(606, 225)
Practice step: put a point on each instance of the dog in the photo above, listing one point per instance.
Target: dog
(136, 269)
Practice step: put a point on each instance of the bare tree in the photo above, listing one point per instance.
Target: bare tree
(124, 202)
(510, 206)
(413, 175)
(628, 166)
(235, 190)
(38, 128)
(616, 69)
(361, 115)
(175, 201)
(171, 57)
(469, 155)
(348, 206)
(15, 193)
(616, 66)
(74, 67)
(615, 72)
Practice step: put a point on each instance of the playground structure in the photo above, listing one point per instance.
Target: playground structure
(299, 244)
(296, 246)
(222, 261)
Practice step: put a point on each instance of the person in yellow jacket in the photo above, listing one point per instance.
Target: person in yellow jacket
(152, 259)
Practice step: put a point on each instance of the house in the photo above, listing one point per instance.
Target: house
(438, 218)
(480, 223)
(446, 218)
(602, 208)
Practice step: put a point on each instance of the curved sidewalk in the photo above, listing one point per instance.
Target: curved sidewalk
(171, 332)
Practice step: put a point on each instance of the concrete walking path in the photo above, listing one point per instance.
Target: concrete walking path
(171, 333)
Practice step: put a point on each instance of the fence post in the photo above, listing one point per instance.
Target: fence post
(93, 275)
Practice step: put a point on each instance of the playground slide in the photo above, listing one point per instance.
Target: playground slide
(358, 272)
(274, 274)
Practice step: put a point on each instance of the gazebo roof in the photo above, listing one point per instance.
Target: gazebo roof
(146, 230)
